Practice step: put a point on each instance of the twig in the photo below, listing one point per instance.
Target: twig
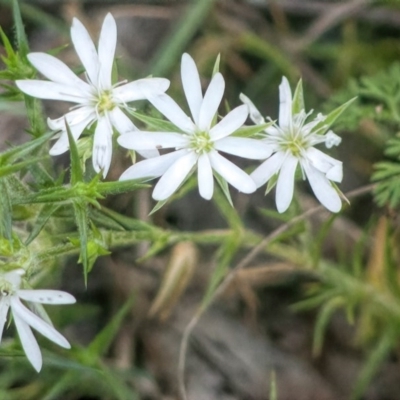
(242, 264)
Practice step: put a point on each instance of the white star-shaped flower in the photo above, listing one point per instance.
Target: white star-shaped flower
(24, 319)
(197, 141)
(292, 142)
(97, 100)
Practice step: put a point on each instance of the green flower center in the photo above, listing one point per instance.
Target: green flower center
(294, 141)
(105, 102)
(201, 142)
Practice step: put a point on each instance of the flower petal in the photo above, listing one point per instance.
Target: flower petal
(244, 147)
(254, 114)
(167, 106)
(230, 123)
(62, 144)
(191, 85)
(4, 305)
(52, 91)
(46, 296)
(231, 173)
(285, 184)
(106, 50)
(174, 176)
(77, 116)
(140, 89)
(150, 140)
(29, 343)
(120, 121)
(211, 102)
(35, 322)
(85, 49)
(55, 70)
(285, 104)
(268, 168)
(332, 168)
(323, 190)
(153, 167)
(102, 146)
(205, 177)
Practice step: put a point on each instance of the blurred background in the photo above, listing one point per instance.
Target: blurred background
(340, 49)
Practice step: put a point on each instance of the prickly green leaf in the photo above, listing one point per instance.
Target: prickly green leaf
(13, 154)
(253, 130)
(117, 187)
(22, 41)
(298, 99)
(44, 215)
(224, 187)
(324, 125)
(81, 217)
(76, 167)
(156, 123)
(10, 169)
(271, 183)
(5, 212)
(216, 65)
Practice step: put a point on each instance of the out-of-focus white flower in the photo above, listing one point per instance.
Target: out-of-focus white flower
(98, 100)
(197, 141)
(11, 296)
(292, 143)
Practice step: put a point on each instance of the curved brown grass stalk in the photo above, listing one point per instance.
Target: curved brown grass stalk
(230, 276)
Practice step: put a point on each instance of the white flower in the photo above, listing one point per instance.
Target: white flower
(11, 296)
(292, 142)
(98, 100)
(198, 143)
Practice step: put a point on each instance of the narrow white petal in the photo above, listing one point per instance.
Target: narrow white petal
(191, 85)
(74, 117)
(52, 91)
(46, 296)
(102, 146)
(140, 89)
(55, 70)
(322, 188)
(29, 343)
(285, 184)
(230, 123)
(62, 144)
(174, 176)
(335, 173)
(254, 114)
(153, 167)
(205, 177)
(123, 124)
(35, 322)
(285, 104)
(4, 305)
(244, 147)
(211, 101)
(167, 106)
(106, 50)
(120, 121)
(231, 173)
(150, 140)
(268, 169)
(332, 168)
(85, 49)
